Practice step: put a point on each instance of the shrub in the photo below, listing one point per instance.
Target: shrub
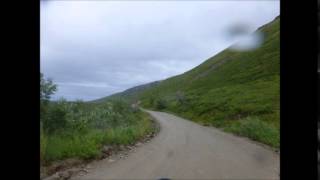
(55, 118)
(256, 129)
(180, 97)
(161, 104)
(78, 129)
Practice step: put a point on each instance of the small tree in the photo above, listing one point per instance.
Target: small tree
(47, 88)
(50, 117)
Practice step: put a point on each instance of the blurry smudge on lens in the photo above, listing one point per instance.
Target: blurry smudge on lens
(244, 39)
(248, 42)
(239, 29)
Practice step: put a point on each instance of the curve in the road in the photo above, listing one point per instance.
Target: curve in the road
(186, 150)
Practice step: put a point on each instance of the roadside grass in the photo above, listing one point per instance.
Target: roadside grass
(256, 129)
(84, 146)
(43, 146)
(87, 144)
(128, 135)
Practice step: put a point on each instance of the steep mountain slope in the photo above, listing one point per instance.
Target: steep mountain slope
(236, 91)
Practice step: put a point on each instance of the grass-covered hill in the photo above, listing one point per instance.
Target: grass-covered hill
(131, 94)
(236, 91)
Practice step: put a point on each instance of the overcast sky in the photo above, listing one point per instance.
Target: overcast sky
(92, 49)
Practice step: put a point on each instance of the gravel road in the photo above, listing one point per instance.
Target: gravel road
(186, 150)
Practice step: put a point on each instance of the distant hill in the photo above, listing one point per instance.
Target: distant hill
(131, 94)
(236, 91)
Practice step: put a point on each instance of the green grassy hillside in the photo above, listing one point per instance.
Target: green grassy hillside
(131, 95)
(235, 91)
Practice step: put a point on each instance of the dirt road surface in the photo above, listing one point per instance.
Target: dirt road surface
(186, 150)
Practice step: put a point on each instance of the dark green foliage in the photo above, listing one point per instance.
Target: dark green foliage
(152, 101)
(120, 106)
(56, 117)
(161, 104)
(181, 98)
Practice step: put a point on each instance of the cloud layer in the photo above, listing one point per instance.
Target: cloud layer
(94, 49)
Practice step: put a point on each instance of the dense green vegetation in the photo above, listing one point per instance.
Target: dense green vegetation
(235, 91)
(80, 129)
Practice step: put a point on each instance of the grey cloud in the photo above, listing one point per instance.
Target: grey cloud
(94, 49)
